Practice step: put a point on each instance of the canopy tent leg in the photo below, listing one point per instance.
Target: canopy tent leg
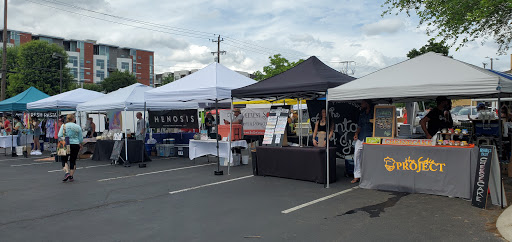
(500, 143)
(13, 149)
(328, 128)
(230, 134)
(125, 138)
(218, 172)
(144, 135)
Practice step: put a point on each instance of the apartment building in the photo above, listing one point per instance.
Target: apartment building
(92, 62)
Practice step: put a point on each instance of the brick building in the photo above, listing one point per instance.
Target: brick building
(91, 62)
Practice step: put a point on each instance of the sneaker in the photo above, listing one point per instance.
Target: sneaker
(71, 178)
(66, 177)
(37, 152)
(32, 152)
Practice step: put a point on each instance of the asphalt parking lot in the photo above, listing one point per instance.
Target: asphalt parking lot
(181, 200)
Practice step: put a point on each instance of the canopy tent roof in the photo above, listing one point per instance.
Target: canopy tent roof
(311, 77)
(424, 78)
(214, 82)
(19, 102)
(65, 101)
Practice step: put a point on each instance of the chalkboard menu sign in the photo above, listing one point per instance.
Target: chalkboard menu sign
(384, 121)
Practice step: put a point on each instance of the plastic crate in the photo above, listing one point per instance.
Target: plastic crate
(181, 150)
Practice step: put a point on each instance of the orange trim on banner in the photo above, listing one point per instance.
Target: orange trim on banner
(448, 146)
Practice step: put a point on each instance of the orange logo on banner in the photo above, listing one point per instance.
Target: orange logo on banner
(413, 165)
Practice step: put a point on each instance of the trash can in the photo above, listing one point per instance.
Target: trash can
(254, 161)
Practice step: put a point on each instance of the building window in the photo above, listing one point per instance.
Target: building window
(88, 62)
(139, 67)
(100, 74)
(74, 72)
(139, 57)
(73, 60)
(125, 66)
(101, 64)
(87, 73)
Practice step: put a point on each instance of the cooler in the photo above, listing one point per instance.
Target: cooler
(237, 131)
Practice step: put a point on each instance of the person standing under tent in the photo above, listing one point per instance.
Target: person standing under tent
(37, 134)
(238, 119)
(364, 129)
(90, 128)
(435, 119)
(141, 128)
(7, 125)
(209, 121)
(17, 125)
(74, 132)
(320, 133)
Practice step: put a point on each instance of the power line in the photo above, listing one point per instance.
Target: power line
(181, 31)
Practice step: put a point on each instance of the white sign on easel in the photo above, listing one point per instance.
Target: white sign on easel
(118, 136)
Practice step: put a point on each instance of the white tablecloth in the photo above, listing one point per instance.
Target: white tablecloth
(198, 148)
(8, 141)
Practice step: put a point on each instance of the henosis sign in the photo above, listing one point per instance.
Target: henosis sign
(174, 119)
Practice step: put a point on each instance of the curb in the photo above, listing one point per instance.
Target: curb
(504, 224)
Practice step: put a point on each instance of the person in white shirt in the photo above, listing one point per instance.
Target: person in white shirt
(483, 113)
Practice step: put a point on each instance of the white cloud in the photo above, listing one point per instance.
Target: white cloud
(383, 26)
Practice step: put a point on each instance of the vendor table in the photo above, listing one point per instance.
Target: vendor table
(198, 148)
(447, 171)
(88, 146)
(301, 163)
(103, 150)
(8, 141)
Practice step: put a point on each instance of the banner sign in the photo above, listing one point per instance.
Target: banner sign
(174, 119)
(345, 116)
(482, 176)
(433, 170)
(255, 120)
(115, 120)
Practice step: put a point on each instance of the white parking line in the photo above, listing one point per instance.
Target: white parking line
(155, 172)
(20, 158)
(85, 167)
(31, 164)
(317, 200)
(211, 184)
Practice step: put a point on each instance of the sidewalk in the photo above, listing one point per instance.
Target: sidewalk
(504, 224)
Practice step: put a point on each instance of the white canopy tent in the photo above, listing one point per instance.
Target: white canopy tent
(210, 84)
(65, 101)
(424, 77)
(214, 82)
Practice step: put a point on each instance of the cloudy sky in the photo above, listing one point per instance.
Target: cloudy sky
(180, 32)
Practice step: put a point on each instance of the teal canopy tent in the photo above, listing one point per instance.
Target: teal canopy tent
(19, 102)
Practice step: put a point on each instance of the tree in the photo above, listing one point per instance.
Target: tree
(34, 66)
(93, 87)
(168, 79)
(464, 20)
(118, 79)
(278, 64)
(12, 62)
(438, 47)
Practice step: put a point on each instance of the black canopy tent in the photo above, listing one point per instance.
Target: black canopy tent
(309, 79)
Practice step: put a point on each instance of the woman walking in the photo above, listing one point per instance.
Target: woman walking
(74, 133)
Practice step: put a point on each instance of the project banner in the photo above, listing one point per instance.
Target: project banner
(174, 119)
(443, 171)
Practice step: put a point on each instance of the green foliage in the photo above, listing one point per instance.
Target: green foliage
(33, 65)
(433, 46)
(168, 79)
(461, 20)
(278, 64)
(12, 60)
(118, 79)
(93, 87)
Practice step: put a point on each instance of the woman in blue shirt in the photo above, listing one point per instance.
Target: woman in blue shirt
(74, 132)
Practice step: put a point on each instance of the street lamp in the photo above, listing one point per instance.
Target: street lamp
(59, 56)
(491, 61)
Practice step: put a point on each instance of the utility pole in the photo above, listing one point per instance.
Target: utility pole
(218, 48)
(492, 61)
(4, 54)
(346, 66)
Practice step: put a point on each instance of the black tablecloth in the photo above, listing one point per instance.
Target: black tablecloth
(301, 163)
(103, 150)
(447, 171)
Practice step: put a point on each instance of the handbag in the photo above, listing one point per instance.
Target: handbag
(63, 148)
